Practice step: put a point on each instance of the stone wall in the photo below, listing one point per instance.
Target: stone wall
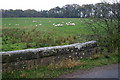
(31, 58)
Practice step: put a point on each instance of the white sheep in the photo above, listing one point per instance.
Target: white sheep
(70, 24)
(53, 24)
(58, 25)
(17, 24)
(40, 24)
(34, 21)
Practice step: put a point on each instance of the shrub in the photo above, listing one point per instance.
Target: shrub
(105, 32)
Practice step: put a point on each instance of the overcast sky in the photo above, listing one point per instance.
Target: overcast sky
(41, 4)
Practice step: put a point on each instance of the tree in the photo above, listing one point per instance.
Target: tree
(106, 30)
(55, 12)
(99, 10)
(87, 10)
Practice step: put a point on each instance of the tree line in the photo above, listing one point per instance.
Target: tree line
(98, 10)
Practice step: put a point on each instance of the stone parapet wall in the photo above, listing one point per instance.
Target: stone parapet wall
(31, 58)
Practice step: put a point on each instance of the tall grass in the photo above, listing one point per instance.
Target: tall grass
(16, 38)
(65, 63)
(28, 35)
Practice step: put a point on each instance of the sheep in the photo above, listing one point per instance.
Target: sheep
(17, 24)
(70, 24)
(40, 24)
(53, 24)
(58, 25)
(34, 21)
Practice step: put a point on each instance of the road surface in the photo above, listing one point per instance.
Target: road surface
(107, 71)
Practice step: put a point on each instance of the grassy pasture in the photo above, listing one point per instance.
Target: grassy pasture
(28, 35)
(22, 33)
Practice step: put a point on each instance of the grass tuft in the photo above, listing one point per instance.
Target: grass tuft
(65, 63)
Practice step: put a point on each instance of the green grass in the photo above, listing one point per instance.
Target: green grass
(28, 35)
(45, 72)
(46, 25)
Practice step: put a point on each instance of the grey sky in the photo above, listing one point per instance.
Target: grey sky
(41, 4)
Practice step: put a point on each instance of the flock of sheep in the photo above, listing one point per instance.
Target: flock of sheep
(68, 24)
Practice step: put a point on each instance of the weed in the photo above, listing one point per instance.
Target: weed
(65, 63)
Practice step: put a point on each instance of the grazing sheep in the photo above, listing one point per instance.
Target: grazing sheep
(58, 25)
(70, 24)
(40, 24)
(53, 24)
(17, 24)
(34, 21)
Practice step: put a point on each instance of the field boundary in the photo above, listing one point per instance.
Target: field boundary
(31, 58)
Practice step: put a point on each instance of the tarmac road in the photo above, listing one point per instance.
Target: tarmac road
(107, 71)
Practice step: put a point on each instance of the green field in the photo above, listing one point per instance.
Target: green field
(23, 33)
